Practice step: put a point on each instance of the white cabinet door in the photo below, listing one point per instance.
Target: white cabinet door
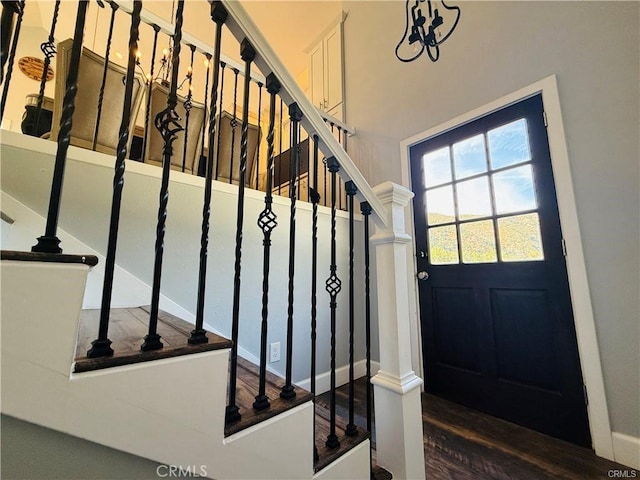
(325, 71)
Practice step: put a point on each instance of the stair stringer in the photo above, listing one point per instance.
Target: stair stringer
(170, 411)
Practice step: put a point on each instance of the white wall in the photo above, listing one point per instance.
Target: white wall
(26, 175)
(499, 48)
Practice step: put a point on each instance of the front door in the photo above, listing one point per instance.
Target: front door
(497, 322)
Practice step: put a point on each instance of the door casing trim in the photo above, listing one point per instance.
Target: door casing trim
(588, 348)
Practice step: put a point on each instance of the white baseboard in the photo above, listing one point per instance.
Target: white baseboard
(626, 449)
(323, 380)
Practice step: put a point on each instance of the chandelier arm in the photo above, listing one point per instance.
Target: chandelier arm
(404, 37)
(455, 24)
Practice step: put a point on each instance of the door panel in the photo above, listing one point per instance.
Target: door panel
(497, 321)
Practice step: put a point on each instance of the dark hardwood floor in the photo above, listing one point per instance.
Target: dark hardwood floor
(462, 444)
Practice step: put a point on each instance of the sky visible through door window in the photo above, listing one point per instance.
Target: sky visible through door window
(486, 177)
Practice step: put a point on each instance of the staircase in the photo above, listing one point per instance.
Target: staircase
(177, 401)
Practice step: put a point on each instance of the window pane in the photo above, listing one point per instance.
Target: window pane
(440, 205)
(474, 200)
(478, 242)
(514, 191)
(509, 144)
(469, 157)
(520, 238)
(437, 167)
(443, 245)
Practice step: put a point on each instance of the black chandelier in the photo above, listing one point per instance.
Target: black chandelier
(426, 33)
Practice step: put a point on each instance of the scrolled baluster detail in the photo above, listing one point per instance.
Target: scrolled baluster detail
(49, 242)
(48, 51)
(333, 286)
(167, 123)
(267, 221)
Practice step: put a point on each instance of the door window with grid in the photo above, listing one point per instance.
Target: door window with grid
(481, 200)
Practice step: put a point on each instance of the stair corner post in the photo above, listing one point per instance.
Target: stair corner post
(397, 388)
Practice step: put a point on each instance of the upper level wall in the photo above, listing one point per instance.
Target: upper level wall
(497, 49)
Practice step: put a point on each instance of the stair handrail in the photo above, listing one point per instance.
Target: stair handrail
(242, 26)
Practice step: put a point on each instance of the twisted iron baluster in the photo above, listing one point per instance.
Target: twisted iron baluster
(220, 114)
(365, 208)
(248, 54)
(49, 242)
(188, 105)
(259, 142)
(315, 199)
(9, 9)
(234, 122)
(17, 7)
(114, 7)
(207, 111)
(333, 286)
(267, 221)
(198, 335)
(101, 347)
(49, 51)
(167, 122)
(149, 79)
(351, 428)
(295, 115)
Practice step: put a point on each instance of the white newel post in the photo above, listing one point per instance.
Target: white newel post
(397, 388)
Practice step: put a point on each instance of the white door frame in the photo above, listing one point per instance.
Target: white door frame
(578, 282)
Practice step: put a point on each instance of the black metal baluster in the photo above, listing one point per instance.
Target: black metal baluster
(324, 193)
(295, 115)
(49, 50)
(49, 242)
(267, 221)
(223, 66)
(188, 105)
(167, 122)
(198, 334)
(234, 122)
(101, 347)
(351, 428)
(17, 7)
(114, 7)
(149, 79)
(207, 111)
(315, 199)
(259, 140)
(280, 151)
(365, 208)
(9, 9)
(247, 53)
(333, 286)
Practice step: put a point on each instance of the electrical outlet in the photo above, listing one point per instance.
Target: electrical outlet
(274, 352)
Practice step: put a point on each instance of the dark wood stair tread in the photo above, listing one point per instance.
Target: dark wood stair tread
(246, 390)
(127, 329)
